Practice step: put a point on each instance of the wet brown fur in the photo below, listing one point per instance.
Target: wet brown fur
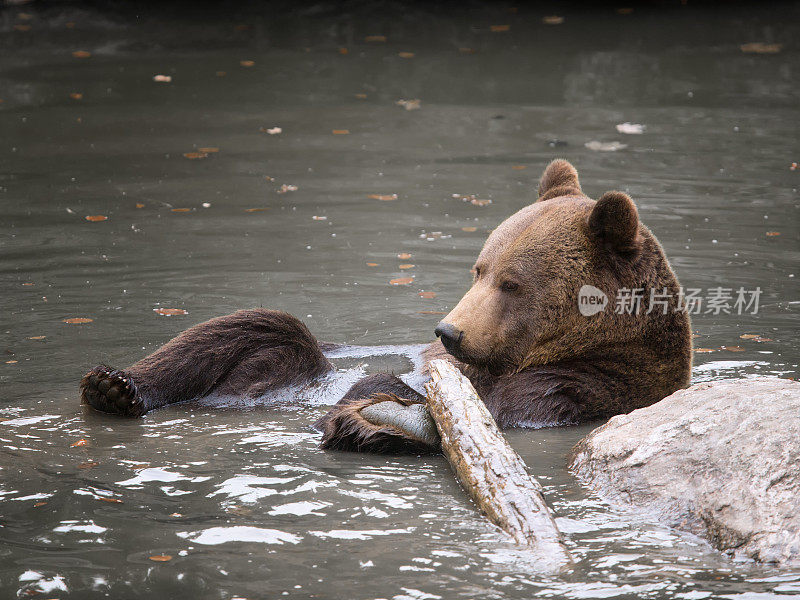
(531, 355)
(248, 353)
(346, 429)
(343, 427)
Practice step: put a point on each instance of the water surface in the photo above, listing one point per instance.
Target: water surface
(237, 494)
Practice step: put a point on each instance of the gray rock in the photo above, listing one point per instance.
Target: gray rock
(719, 459)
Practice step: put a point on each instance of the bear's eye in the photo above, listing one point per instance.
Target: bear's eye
(477, 272)
(509, 286)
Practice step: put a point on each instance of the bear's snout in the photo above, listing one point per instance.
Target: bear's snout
(450, 335)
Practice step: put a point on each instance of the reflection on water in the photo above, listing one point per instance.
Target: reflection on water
(223, 497)
(284, 514)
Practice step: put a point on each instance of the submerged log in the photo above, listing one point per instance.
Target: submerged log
(489, 469)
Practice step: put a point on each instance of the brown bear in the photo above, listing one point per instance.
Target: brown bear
(520, 334)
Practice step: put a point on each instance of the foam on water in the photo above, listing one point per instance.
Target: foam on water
(223, 535)
(330, 388)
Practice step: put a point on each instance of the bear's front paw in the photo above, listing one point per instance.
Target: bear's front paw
(382, 423)
(111, 391)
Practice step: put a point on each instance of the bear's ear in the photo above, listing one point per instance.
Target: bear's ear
(559, 179)
(614, 222)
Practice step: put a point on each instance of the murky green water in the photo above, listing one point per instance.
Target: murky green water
(239, 496)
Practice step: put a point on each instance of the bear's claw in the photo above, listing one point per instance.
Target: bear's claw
(111, 391)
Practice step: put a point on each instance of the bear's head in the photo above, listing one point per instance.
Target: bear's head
(523, 308)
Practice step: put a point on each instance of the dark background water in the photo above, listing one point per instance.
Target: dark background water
(239, 496)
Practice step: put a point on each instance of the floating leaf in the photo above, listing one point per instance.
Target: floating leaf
(793, 166)
(38, 504)
(465, 50)
(732, 348)
(271, 130)
(90, 464)
(755, 337)
(341, 132)
(761, 48)
(405, 54)
(704, 350)
(161, 557)
(415, 104)
(28, 283)
(80, 442)
(469, 229)
(76, 96)
(316, 218)
(170, 312)
(371, 264)
(552, 20)
(401, 281)
(519, 167)
(404, 256)
(77, 320)
(287, 188)
(139, 205)
(773, 233)
(195, 155)
(499, 28)
(472, 199)
(96, 218)
(257, 209)
(268, 178)
(162, 78)
(81, 54)
(221, 73)
(11, 362)
(247, 63)
(406, 266)
(375, 38)
(631, 128)
(361, 96)
(176, 514)
(22, 27)
(181, 210)
(37, 337)
(343, 51)
(241, 511)
(210, 150)
(107, 499)
(427, 295)
(384, 197)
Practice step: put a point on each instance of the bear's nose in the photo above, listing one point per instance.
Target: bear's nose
(450, 335)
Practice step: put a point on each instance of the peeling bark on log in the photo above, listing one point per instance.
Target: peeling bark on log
(489, 469)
